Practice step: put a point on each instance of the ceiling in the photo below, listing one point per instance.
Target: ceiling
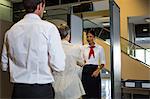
(138, 19)
(104, 5)
(142, 28)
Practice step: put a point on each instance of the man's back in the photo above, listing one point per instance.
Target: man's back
(32, 48)
(29, 43)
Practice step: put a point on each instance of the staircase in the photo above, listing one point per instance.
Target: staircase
(131, 67)
(135, 51)
(135, 73)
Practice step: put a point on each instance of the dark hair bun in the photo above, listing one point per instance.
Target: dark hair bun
(91, 32)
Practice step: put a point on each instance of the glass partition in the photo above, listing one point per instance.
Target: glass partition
(135, 51)
(99, 22)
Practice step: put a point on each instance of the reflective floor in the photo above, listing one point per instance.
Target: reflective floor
(106, 88)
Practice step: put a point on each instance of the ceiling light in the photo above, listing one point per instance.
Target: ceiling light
(147, 20)
(145, 30)
(45, 11)
(106, 24)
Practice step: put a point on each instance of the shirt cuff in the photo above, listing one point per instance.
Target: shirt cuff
(4, 67)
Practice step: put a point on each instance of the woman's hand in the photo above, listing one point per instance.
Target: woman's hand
(96, 73)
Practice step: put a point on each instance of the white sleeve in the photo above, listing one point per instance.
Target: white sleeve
(56, 52)
(4, 57)
(77, 52)
(102, 56)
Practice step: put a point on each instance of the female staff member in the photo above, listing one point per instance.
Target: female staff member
(95, 60)
(68, 84)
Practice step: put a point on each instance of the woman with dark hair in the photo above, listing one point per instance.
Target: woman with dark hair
(68, 84)
(95, 60)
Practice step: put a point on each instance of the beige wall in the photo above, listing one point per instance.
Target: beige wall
(118, 1)
(132, 69)
(107, 51)
(130, 8)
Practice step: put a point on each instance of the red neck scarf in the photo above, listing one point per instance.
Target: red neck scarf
(91, 52)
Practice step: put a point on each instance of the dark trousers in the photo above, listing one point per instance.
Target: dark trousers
(32, 91)
(91, 85)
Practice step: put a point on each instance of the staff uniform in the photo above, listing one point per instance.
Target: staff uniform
(26, 48)
(94, 56)
(68, 84)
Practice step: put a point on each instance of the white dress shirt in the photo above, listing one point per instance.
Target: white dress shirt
(32, 47)
(98, 52)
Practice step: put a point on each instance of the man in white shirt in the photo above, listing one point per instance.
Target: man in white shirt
(32, 47)
(94, 57)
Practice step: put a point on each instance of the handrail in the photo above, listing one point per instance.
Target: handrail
(147, 65)
(130, 48)
(135, 44)
(133, 51)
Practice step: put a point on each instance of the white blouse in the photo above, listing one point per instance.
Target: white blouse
(98, 52)
(68, 84)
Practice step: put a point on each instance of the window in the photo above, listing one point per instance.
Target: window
(148, 57)
(139, 54)
(143, 55)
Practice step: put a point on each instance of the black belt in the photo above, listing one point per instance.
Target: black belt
(24, 84)
(91, 65)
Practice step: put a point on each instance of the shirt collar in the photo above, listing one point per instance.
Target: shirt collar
(32, 16)
(94, 45)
